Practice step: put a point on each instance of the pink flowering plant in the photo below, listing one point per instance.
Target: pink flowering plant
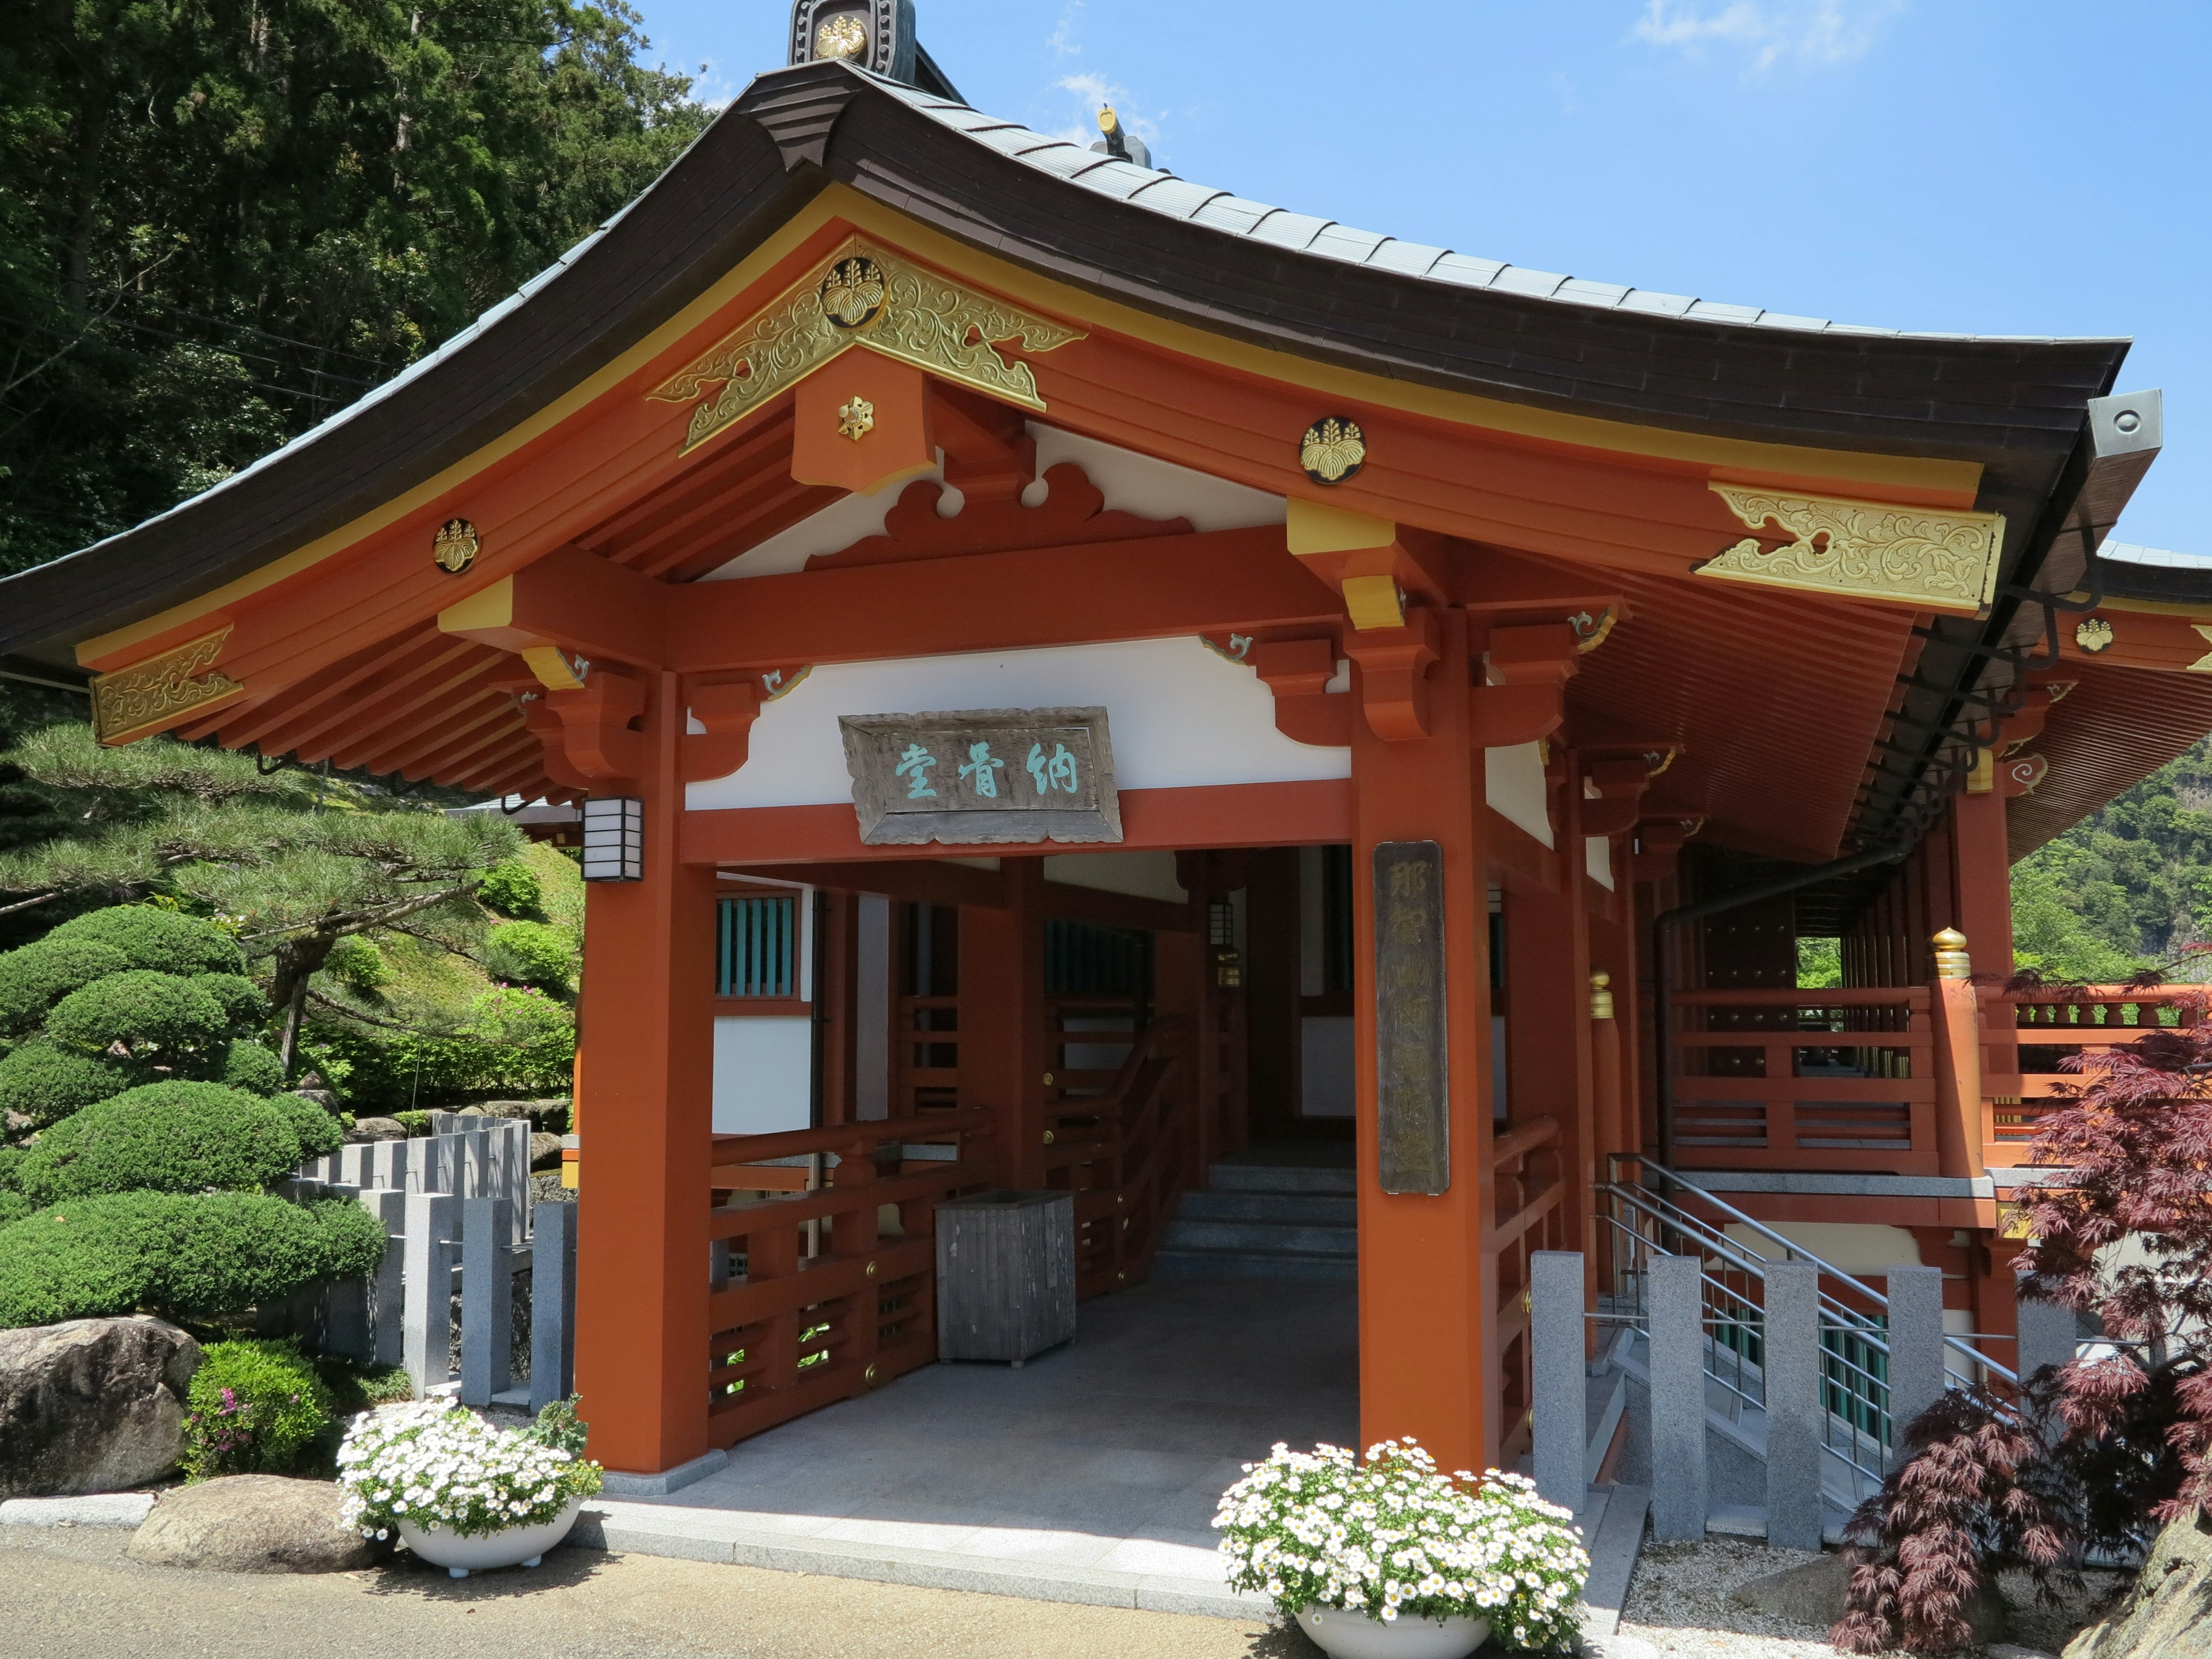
(1394, 1537)
(442, 1470)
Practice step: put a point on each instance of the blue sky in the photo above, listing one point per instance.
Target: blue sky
(1992, 167)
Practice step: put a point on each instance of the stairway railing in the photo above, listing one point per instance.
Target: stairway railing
(1639, 1223)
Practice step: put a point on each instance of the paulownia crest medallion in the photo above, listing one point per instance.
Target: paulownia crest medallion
(1332, 449)
(1863, 549)
(136, 701)
(865, 294)
(454, 548)
(841, 37)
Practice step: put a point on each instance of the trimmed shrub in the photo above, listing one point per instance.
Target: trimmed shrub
(167, 1138)
(512, 888)
(34, 978)
(199, 1256)
(14, 1206)
(532, 952)
(240, 998)
(250, 1067)
(255, 1407)
(46, 1085)
(141, 1009)
(9, 1158)
(318, 1130)
(162, 939)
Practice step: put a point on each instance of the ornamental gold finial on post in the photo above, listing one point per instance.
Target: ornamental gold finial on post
(1600, 995)
(1951, 959)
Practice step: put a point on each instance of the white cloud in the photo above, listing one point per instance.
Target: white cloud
(1062, 38)
(1808, 32)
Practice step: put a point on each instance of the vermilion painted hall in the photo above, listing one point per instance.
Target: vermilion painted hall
(1071, 673)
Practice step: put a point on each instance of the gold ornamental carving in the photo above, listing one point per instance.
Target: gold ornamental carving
(856, 419)
(1865, 551)
(136, 702)
(1332, 449)
(841, 37)
(864, 295)
(454, 548)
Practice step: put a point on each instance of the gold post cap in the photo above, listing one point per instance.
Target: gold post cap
(1600, 995)
(1951, 959)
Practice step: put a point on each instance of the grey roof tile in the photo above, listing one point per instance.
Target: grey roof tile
(1519, 279)
(1712, 311)
(1121, 179)
(1582, 291)
(1068, 160)
(1406, 258)
(1466, 271)
(1287, 229)
(1783, 320)
(1178, 199)
(1342, 242)
(1652, 303)
(1233, 212)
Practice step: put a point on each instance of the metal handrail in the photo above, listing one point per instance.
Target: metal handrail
(1798, 1251)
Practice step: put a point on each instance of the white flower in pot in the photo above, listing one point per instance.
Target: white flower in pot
(1389, 1560)
(461, 1494)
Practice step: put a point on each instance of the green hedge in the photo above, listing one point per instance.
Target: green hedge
(255, 1406)
(46, 1085)
(149, 937)
(34, 978)
(196, 1256)
(141, 1009)
(175, 1137)
(247, 1065)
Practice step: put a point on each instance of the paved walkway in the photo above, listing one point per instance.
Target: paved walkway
(1089, 1475)
(72, 1593)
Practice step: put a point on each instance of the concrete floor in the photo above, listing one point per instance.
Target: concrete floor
(1090, 1474)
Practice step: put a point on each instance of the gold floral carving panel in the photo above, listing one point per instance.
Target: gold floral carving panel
(864, 295)
(1865, 551)
(136, 701)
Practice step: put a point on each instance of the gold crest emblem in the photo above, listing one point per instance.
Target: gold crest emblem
(841, 37)
(454, 548)
(1332, 450)
(2093, 635)
(856, 419)
(853, 293)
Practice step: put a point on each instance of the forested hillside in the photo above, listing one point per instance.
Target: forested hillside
(2128, 888)
(220, 223)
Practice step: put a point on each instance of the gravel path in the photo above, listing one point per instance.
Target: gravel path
(72, 1593)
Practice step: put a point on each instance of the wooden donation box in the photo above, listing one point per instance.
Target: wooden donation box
(1005, 1275)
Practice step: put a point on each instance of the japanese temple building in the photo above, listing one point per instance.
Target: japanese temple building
(1071, 672)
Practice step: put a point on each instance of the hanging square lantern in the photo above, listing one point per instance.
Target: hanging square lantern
(614, 838)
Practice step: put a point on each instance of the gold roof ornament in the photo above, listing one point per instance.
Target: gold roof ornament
(136, 701)
(2093, 635)
(865, 294)
(1601, 984)
(856, 419)
(455, 547)
(841, 37)
(1938, 560)
(1332, 449)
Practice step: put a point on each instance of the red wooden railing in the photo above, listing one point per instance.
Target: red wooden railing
(1122, 1151)
(2048, 1025)
(823, 1294)
(1798, 1079)
(1528, 1200)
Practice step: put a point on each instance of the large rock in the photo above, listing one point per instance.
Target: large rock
(94, 1404)
(1814, 1594)
(252, 1523)
(376, 1128)
(545, 1151)
(2168, 1613)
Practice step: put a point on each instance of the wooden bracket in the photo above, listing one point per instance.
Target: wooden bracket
(588, 742)
(1619, 783)
(727, 707)
(1393, 674)
(1297, 671)
(1528, 667)
(860, 422)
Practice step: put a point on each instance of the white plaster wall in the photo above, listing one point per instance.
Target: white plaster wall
(1858, 1248)
(1597, 858)
(1139, 875)
(834, 529)
(1152, 489)
(1181, 716)
(1326, 1079)
(1513, 784)
(764, 1073)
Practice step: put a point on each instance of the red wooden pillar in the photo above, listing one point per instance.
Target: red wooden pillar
(1956, 1009)
(641, 1257)
(1002, 1047)
(1428, 1366)
(1982, 849)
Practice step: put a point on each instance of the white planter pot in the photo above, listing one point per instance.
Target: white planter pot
(1351, 1634)
(513, 1547)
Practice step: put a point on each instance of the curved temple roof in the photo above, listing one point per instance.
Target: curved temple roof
(1286, 281)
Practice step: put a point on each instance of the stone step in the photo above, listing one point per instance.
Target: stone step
(1283, 1178)
(1188, 1233)
(1173, 1262)
(1326, 1209)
